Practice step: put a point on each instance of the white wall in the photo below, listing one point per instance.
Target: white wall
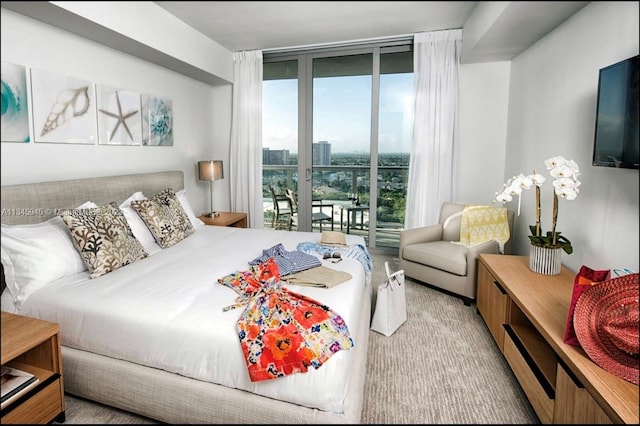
(201, 113)
(479, 150)
(552, 105)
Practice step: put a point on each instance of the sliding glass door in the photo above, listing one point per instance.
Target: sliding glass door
(341, 136)
(332, 120)
(395, 130)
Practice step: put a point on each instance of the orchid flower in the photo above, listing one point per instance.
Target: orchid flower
(565, 173)
(537, 179)
(566, 188)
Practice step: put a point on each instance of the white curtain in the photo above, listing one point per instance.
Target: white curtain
(436, 59)
(246, 136)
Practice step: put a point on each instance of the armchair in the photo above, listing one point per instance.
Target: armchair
(428, 255)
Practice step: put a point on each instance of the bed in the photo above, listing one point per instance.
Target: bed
(167, 350)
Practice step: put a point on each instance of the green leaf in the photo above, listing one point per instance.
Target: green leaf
(546, 240)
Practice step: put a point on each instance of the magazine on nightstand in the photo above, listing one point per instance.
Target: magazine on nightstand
(15, 382)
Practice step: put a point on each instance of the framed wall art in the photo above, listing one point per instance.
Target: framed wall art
(157, 121)
(15, 103)
(119, 116)
(64, 108)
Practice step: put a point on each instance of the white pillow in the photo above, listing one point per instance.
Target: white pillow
(182, 197)
(35, 255)
(137, 225)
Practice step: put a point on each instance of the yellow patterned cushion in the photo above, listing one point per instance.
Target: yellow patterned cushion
(483, 223)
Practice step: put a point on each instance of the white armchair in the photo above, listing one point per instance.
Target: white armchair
(428, 255)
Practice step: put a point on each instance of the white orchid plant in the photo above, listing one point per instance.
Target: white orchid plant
(565, 172)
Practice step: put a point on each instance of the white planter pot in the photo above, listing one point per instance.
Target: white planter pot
(545, 261)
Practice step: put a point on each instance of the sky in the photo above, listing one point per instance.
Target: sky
(341, 113)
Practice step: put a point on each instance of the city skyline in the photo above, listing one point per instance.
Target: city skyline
(342, 113)
(276, 157)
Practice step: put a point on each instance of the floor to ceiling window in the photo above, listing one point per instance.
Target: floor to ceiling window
(332, 119)
(394, 144)
(279, 138)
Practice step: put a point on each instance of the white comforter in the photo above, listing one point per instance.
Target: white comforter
(165, 311)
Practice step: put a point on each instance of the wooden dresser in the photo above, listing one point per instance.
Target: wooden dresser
(526, 313)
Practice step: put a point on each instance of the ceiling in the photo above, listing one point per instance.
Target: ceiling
(492, 30)
(251, 25)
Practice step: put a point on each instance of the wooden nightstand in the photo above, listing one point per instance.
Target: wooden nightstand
(33, 345)
(233, 219)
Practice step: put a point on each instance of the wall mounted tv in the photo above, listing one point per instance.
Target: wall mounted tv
(616, 137)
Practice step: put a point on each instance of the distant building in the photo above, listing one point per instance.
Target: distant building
(276, 157)
(322, 153)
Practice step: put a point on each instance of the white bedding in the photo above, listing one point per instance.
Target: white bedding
(165, 311)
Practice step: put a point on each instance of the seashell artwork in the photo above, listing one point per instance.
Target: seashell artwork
(64, 108)
(69, 103)
(119, 116)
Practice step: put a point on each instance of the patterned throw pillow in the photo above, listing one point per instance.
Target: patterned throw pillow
(103, 238)
(165, 218)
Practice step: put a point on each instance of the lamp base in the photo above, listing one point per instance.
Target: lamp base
(212, 214)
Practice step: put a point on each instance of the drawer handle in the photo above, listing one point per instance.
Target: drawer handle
(497, 284)
(548, 389)
(572, 376)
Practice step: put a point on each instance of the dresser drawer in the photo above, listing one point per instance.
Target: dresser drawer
(574, 404)
(540, 400)
(42, 407)
(492, 302)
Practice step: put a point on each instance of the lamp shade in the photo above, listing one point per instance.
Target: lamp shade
(210, 170)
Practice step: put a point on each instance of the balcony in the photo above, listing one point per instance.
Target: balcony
(334, 185)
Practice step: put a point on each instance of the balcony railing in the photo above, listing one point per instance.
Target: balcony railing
(337, 185)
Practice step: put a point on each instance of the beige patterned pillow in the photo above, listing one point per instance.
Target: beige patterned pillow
(103, 238)
(165, 218)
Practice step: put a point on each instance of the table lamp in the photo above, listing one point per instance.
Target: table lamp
(210, 170)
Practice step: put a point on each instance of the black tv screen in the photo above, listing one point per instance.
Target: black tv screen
(616, 137)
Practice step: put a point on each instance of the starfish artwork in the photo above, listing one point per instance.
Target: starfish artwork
(120, 117)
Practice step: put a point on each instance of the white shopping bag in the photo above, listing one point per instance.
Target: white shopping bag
(391, 306)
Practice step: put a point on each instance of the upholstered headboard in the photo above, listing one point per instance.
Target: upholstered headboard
(37, 202)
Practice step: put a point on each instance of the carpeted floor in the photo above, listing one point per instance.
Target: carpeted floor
(440, 367)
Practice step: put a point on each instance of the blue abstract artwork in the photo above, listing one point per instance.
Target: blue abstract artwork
(157, 121)
(15, 110)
